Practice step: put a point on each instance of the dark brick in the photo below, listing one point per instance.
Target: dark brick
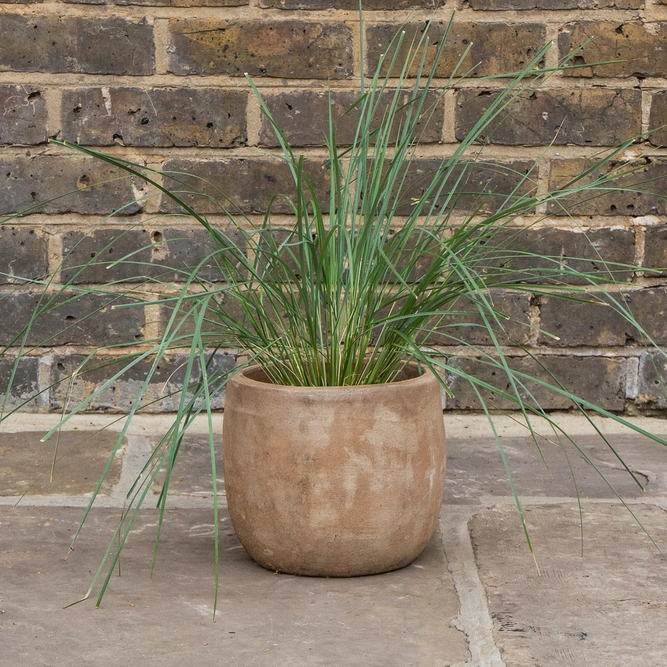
(592, 324)
(652, 385)
(602, 325)
(638, 47)
(250, 185)
(466, 326)
(161, 254)
(498, 48)
(165, 3)
(369, 5)
(484, 187)
(649, 306)
(280, 49)
(599, 117)
(603, 253)
(88, 319)
(639, 189)
(24, 384)
(658, 121)
(198, 3)
(123, 393)
(555, 4)
(82, 185)
(600, 380)
(655, 252)
(211, 328)
(22, 115)
(24, 254)
(154, 117)
(303, 117)
(76, 44)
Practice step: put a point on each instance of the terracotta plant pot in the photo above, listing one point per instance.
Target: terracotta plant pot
(334, 481)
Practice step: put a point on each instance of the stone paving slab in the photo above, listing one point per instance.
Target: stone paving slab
(607, 608)
(399, 619)
(475, 470)
(191, 475)
(80, 457)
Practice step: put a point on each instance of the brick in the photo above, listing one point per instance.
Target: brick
(162, 254)
(600, 380)
(649, 306)
(211, 328)
(165, 3)
(655, 249)
(658, 119)
(250, 185)
(466, 326)
(591, 324)
(24, 385)
(68, 319)
(641, 192)
(22, 115)
(353, 5)
(498, 48)
(598, 117)
(154, 117)
(603, 253)
(74, 44)
(293, 49)
(638, 47)
(652, 381)
(492, 5)
(163, 392)
(24, 254)
(484, 187)
(83, 185)
(303, 117)
(599, 325)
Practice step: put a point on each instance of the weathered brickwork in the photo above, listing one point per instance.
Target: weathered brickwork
(497, 48)
(70, 319)
(658, 123)
(303, 117)
(22, 115)
(71, 184)
(158, 253)
(640, 190)
(598, 117)
(283, 49)
(24, 254)
(236, 184)
(76, 44)
(635, 47)
(155, 117)
(161, 82)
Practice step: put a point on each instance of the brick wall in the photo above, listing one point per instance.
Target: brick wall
(161, 81)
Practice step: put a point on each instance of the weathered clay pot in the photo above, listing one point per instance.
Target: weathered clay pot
(334, 481)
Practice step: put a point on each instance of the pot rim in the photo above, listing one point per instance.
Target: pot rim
(242, 378)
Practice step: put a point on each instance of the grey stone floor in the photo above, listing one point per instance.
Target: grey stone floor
(476, 597)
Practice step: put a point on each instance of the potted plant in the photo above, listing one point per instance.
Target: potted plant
(333, 440)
